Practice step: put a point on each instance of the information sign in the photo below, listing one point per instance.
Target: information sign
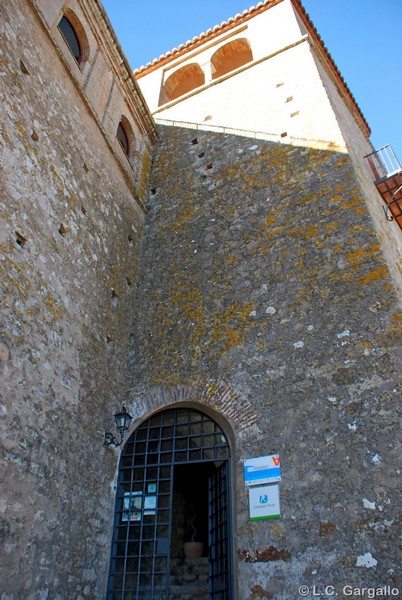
(264, 502)
(264, 469)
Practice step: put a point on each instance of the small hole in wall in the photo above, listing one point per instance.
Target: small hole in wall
(153, 191)
(84, 166)
(209, 166)
(201, 155)
(114, 295)
(194, 141)
(34, 136)
(108, 339)
(83, 209)
(131, 238)
(20, 239)
(129, 282)
(63, 230)
(23, 68)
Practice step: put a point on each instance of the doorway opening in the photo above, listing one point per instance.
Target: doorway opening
(172, 530)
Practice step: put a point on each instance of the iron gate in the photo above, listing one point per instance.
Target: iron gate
(140, 556)
(218, 533)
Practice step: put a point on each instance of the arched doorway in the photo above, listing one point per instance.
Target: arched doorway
(173, 487)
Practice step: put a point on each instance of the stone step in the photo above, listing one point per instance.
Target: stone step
(182, 569)
(189, 580)
(185, 575)
(202, 560)
(187, 593)
(189, 597)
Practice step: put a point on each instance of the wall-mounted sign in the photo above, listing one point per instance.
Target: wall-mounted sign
(264, 469)
(132, 506)
(150, 505)
(264, 502)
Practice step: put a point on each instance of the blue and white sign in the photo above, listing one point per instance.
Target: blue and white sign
(264, 469)
(264, 502)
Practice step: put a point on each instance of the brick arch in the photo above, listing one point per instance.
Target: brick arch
(231, 56)
(181, 82)
(216, 400)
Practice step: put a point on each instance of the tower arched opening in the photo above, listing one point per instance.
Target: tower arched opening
(181, 82)
(231, 56)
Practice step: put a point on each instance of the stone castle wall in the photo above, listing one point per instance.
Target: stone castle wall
(71, 233)
(260, 295)
(388, 233)
(264, 296)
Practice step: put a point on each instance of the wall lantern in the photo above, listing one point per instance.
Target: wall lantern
(123, 420)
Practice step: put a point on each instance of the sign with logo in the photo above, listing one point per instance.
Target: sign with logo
(264, 469)
(264, 502)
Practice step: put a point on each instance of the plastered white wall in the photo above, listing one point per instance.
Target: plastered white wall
(288, 99)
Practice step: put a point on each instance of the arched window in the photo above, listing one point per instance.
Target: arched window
(231, 56)
(75, 37)
(181, 82)
(126, 140)
(71, 38)
(123, 139)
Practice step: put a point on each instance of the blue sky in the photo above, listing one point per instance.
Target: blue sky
(363, 37)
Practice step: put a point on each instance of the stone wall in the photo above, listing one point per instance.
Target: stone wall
(264, 296)
(388, 232)
(72, 225)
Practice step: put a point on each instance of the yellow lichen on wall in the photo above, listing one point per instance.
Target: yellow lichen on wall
(378, 274)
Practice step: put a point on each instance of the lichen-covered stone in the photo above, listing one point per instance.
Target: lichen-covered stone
(254, 289)
(70, 239)
(262, 272)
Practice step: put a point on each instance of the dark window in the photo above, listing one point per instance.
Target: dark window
(123, 139)
(71, 38)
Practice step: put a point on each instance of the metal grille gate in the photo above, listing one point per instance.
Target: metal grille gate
(140, 557)
(218, 533)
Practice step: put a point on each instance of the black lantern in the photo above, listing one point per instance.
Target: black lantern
(123, 420)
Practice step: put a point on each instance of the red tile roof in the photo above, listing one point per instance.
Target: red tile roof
(203, 37)
(245, 16)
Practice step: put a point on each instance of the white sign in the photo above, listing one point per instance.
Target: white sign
(264, 469)
(264, 502)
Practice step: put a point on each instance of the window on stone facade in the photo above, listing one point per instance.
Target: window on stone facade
(71, 38)
(231, 56)
(127, 142)
(123, 139)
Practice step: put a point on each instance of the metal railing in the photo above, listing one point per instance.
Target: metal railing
(257, 135)
(218, 128)
(383, 163)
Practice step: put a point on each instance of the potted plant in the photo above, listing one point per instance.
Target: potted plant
(192, 549)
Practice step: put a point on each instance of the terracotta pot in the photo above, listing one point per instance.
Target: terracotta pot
(193, 549)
